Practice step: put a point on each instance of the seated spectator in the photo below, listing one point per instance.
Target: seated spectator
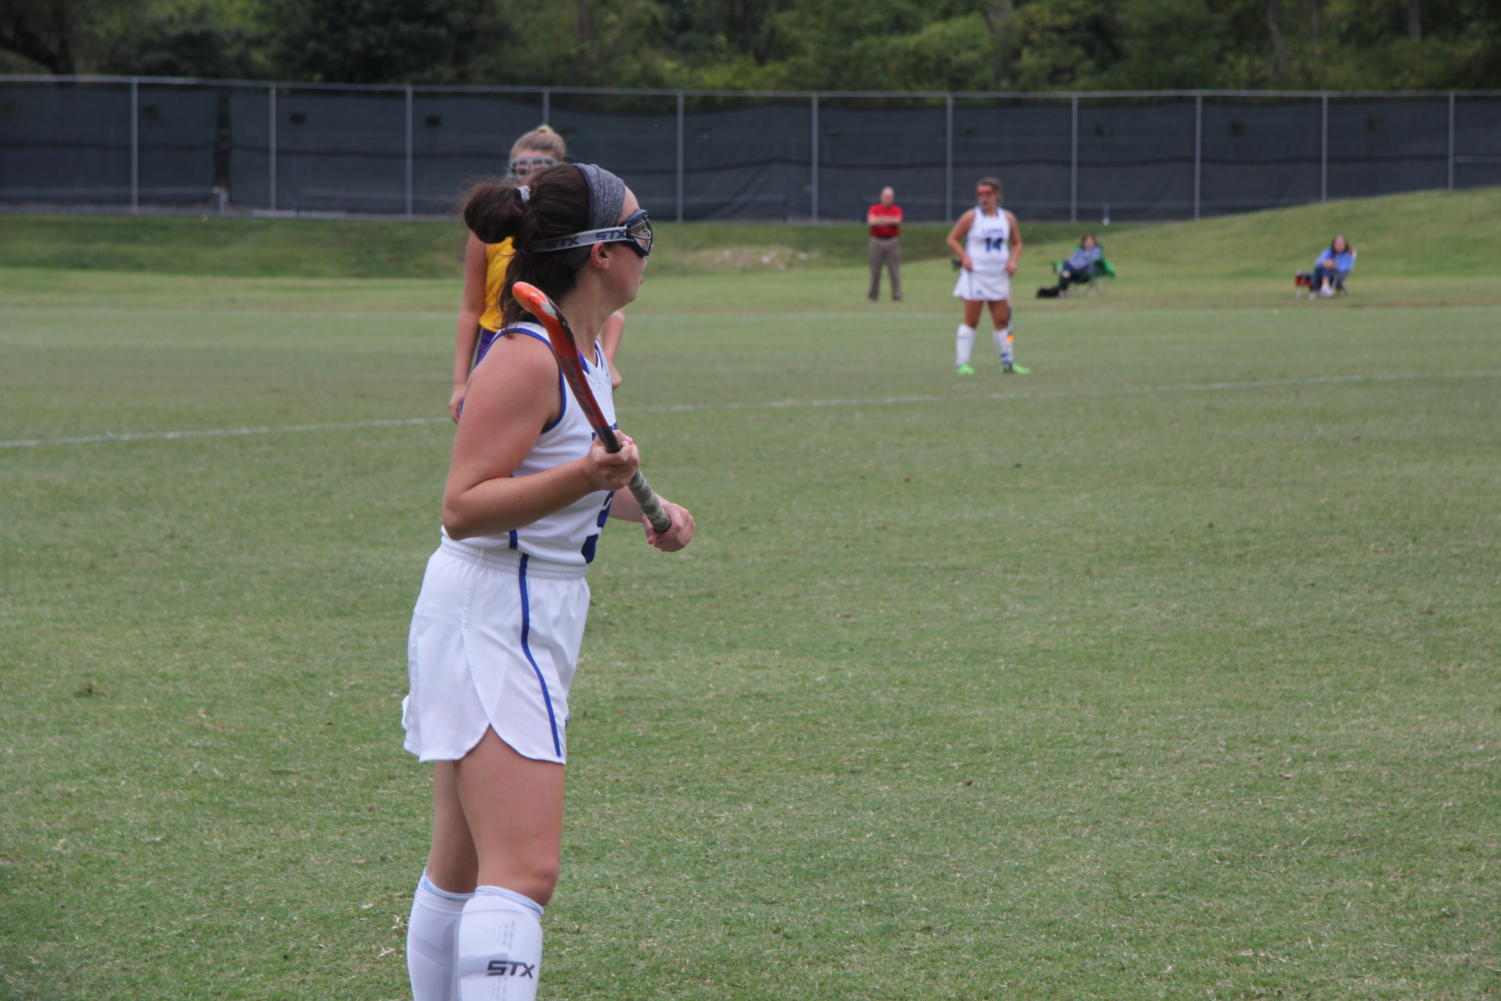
(1331, 268)
(1081, 266)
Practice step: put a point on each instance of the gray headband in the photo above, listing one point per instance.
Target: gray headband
(606, 198)
(606, 195)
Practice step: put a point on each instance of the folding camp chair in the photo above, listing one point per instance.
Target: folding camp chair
(1096, 278)
(1303, 280)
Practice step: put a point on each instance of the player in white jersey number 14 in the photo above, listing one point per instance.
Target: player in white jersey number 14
(988, 245)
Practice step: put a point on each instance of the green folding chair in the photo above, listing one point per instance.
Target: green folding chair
(1097, 278)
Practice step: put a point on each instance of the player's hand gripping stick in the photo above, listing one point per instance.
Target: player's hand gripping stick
(565, 350)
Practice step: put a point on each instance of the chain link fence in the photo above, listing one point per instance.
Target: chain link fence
(144, 143)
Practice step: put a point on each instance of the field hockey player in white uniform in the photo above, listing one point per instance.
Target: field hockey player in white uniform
(496, 631)
(988, 244)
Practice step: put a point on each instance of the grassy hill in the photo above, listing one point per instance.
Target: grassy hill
(1428, 234)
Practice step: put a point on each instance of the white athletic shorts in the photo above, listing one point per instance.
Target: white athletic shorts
(494, 642)
(982, 286)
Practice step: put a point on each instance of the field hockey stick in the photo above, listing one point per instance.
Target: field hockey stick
(565, 350)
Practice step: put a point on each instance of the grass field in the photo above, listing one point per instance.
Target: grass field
(1167, 672)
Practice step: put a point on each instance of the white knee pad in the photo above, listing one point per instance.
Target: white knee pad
(964, 343)
(499, 947)
(1003, 343)
(430, 937)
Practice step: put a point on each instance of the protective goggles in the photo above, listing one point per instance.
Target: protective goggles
(525, 166)
(634, 231)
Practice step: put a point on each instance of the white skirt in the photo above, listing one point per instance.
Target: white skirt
(982, 286)
(494, 642)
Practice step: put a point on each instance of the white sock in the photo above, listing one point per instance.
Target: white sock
(1003, 344)
(435, 916)
(499, 947)
(964, 343)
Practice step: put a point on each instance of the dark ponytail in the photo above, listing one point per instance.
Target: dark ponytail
(557, 204)
(493, 212)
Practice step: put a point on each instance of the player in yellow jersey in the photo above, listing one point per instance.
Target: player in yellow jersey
(485, 275)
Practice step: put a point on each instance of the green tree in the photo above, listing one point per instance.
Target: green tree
(1168, 45)
(1401, 44)
(705, 31)
(1062, 45)
(1033, 45)
(376, 41)
(198, 42)
(833, 44)
(952, 54)
(57, 36)
(582, 43)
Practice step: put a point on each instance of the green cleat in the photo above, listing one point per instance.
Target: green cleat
(1010, 369)
(965, 370)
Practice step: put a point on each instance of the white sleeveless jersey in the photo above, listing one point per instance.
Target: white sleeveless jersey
(567, 536)
(989, 241)
(989, 246)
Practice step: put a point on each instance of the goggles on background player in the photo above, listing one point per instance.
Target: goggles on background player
(525, 166)
(634, 231)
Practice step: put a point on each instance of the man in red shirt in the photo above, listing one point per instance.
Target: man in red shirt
(885, 221)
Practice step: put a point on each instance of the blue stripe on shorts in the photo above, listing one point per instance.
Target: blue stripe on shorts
(526, 628)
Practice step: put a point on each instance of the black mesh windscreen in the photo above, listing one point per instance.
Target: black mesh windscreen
(747, 159)
(1259, 154)
(1477, 128)
(390, 151)
(1136, 159)
(341, 151)
(1382, 146)
(249, 148)
(634, 137)
(65, 142)
(864, 146)
(178, 135)
(1024, 145)
(459, 139)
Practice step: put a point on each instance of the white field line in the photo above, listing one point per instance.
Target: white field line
(677, 408)
(112, 436)
(1185, 387)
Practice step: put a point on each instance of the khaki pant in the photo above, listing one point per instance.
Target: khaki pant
(885, 252)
